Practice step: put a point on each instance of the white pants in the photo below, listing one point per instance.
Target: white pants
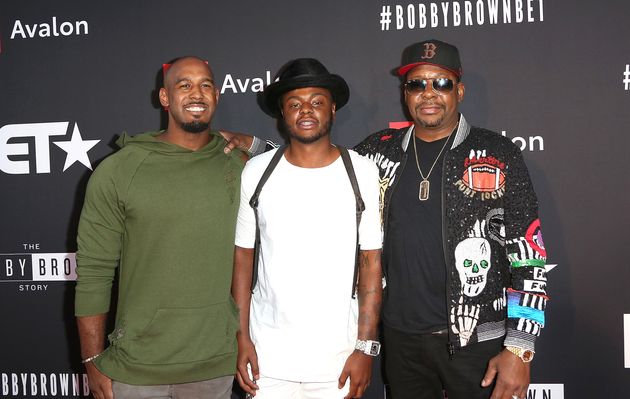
(271, 388)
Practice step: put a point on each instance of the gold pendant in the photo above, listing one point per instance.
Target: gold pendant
(424, 190)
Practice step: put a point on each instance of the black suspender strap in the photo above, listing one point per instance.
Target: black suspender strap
(253, 202)
(360, 207)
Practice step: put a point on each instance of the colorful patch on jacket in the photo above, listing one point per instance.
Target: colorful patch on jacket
(528, 251)
(464, 318)
(496, 225)
(483, 176)
(529, 309)
(534, 238)
(387, 173)
(473, 260)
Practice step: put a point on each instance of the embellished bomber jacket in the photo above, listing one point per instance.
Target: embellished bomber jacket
(493, 247)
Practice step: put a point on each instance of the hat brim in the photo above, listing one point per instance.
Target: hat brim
(269, 101)
(402, 70)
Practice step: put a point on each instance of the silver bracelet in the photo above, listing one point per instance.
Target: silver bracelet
(89, 359)
(257, 147)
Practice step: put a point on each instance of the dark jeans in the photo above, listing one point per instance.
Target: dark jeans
(417, 366)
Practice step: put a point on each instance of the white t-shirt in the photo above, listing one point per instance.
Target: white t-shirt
(303, 320)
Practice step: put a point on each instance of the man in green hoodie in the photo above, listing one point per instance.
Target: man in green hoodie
(163, 210)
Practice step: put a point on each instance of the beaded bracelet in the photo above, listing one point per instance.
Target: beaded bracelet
(89, 359)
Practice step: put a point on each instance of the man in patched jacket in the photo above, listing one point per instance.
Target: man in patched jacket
(463, 254)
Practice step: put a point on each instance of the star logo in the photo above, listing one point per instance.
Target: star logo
(76, 149)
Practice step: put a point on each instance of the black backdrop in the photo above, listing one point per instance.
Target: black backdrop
(550, 74)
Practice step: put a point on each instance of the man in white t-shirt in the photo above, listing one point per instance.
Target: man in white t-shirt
(303, 331)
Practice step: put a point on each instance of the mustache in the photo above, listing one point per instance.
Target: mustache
(429, 103)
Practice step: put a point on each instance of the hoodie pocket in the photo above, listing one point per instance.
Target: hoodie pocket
(184, 335)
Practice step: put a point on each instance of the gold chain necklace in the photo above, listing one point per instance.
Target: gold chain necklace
(423, 194)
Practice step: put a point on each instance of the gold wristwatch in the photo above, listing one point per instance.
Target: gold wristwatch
(526, 355)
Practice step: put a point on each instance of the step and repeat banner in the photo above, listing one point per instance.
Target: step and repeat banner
(552, 75)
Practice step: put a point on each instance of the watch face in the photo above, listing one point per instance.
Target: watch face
(375, 349)
(528, 356)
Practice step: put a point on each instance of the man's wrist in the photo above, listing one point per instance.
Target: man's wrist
(369, 347)
(243, 337)
(260, 146)
(89, 359)
(257, 147)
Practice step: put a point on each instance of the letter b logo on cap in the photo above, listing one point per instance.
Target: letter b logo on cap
(429, 51)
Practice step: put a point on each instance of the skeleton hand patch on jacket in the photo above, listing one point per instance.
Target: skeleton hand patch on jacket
(464, 319)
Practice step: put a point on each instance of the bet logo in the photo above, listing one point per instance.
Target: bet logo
(17, 156)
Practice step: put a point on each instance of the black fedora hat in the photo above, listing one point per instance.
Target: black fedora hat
(300, 73)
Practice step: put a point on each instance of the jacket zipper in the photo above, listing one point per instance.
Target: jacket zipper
(451, 346)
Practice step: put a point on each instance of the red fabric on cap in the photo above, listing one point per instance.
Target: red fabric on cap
(402, 71)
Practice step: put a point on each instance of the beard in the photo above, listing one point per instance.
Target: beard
(431, 123)
(195, 126)
(322, 132)
(435, 123)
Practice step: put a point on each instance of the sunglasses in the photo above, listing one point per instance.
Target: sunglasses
(438, 85)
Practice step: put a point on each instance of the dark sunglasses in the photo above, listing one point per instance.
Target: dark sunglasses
(438, 85)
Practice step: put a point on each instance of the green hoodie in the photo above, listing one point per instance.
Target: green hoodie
(166, 216)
